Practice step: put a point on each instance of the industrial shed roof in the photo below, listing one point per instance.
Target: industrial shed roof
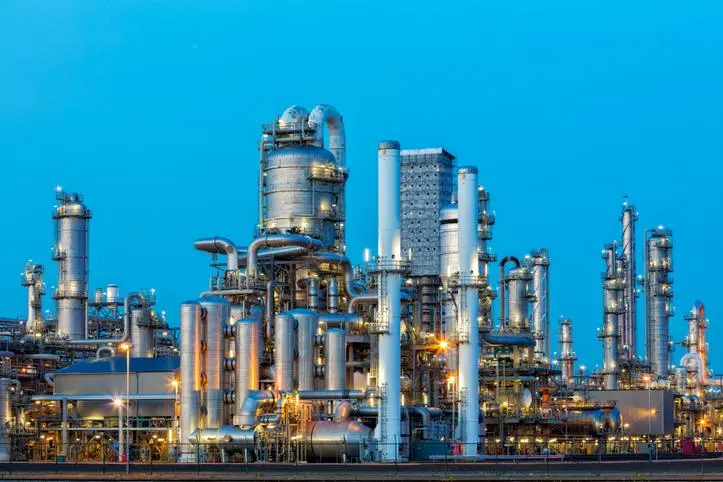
(117, 364)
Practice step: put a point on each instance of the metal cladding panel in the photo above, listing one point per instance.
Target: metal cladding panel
(115, 384)
(645, 415)
(427, 183)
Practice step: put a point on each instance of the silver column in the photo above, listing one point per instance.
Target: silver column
(307, 324)
(541, 303)
(248, 357)
(335, 357)
(284, 351)
(613, 310)
(71, 252)
(32, 278)
(658, 298)
(628, 330)
(518, 287)
(217, 317)
(449, 267)
(190, 373)
(567, 356)
(141, 332)
(332, 295)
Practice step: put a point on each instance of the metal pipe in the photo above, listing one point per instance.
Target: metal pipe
(247, 416)
(269, 307)
(521, 340)
(331, 394)
(219, 245)
(226, 435)
(104, 349)
(335, 357)
(49, 378)
(248, 357)
(217, 316)
(327, 115)
(351, 289)
(102, 397)
(276, 241)
(140, 299)
(388, 431)
(503, 278)
(361, 299)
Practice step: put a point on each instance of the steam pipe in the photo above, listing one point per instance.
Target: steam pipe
(276, 241)
(218, 245)
(103, 349)
(228, 434)
(254, 401)
(269, 306)
(327, 115)
(361, 299)
(507, 340)
(126, 324)
(351, 289)
(50, 379)
(503, 262)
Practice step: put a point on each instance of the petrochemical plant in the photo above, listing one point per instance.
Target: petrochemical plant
(296, 354)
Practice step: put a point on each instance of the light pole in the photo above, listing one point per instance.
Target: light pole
(126, 347)
(118, 403)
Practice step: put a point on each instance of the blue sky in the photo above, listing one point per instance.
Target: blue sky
(152, 109)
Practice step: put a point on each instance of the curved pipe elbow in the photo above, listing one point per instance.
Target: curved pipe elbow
(139, 298)
(276, 241)
(254, 401)
(351, 288)
(219, 245)
(325, 115)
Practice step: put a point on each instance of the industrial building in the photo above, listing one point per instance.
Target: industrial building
(296, 354)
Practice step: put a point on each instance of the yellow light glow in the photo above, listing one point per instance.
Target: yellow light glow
(443, 344)
(124, 346)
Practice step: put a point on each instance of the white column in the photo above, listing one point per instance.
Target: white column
(388, 430)
(468, 324)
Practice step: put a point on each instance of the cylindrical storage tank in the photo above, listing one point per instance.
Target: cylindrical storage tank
(312, 293)
(306, 326)
(98, 296)
(217, 317)
(332, 297)
(335, 353)
(5, 418)
(519, 304)
(71, 252)
(541, 302)
(112, 294)
(248, 356)
(303, 187)
(587, 422)
(141, 333)
(284, 351)
(337, 441)
(190, 373)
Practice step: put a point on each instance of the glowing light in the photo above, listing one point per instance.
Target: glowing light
(124, 346)
(443, 344)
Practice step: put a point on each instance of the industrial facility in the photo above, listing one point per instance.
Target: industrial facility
(296, 353)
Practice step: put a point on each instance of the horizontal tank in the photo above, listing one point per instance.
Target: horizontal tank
(336, 441)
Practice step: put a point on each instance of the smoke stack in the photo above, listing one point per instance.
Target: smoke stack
(388, 430)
